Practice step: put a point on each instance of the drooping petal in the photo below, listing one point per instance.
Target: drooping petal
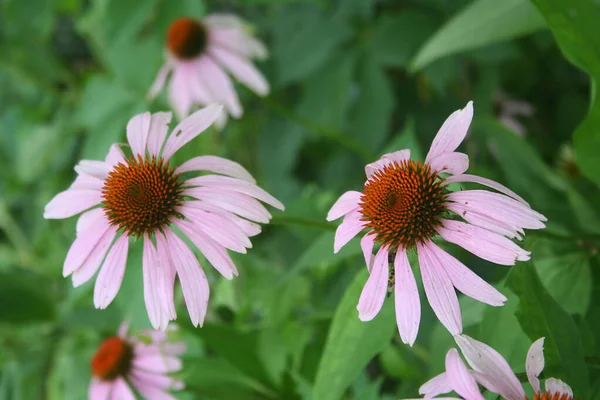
(489, 363)
(461, 380)
(347, 202)
(159, 381)
(160, 80)
(554, 385)
(191, 127)
(242, 70)
(220, 86)
(166, 277)
(121, 390)
(485, 221)
(366, 244)
(349, 228)
(439, 289)
(71, 202)
(88, 218)
(137, 133)
(180, 92)
(534, 364)
(397, 156)
(115, 155)
(158, 363)
(249, 228)
(235, 41)
(158, 318)
(99, 390)
(87, 182)
(148, 391)
(437, 385)
(466, 280)
(235, 202)
(486, 182)
(84, 244)
(408, 305)
(95, 168)
(159, 126)
(193, 281)
(94, 259)
(485, 244)
(235, 185)
(111, 274)
(214, 253)
(373, 294)
(216, 164)
(454, 163)
(452, 132)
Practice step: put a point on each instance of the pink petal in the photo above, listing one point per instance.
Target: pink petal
(137, 133)
(158, 363)
(452, 132)
(486, 182)
(88, 218)
(214, 253)
(159, 126)
(115, 156)
(71, 202)
(534, 363)
(234, 202)
(452, 163)
(349, 228)
(193, 281)
(159, 81)
(408, 305)
(557, 386)
(466, 280)
(347, 202)
(122, 391)
(242, 70)
(111, 274)
(87, 182)
(158, 318)
(97, 169)
(397, 156)
(485, 221)
(148, 391)
(373, 294)
(159, 381)
(220, 86)
(484, 244)
(191, 127)
(166, 277)
(366, 244)
(99, 390)
(216, 164)
(249, 228)
(123, 329)
(439, 289)
(237, 42)
(198, 86)
(437, 385)
(94, 259)
(489, 363)
(461, 380)
(84, 244)
(180, 92)
(236, 185)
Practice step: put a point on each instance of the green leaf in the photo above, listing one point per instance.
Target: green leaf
(351, 343)
(541, 316)
(22, 300)
(482, 23)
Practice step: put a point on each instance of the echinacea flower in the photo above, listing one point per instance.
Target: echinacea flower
(144, 197)
(406, 204)
(199, 54)
(124, 361)
(492, 371)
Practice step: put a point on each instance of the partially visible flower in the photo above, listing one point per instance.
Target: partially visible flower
(492, 371)
(144, 197)
(405, 204)
(199, 53)
(509, 110)
(124, 361)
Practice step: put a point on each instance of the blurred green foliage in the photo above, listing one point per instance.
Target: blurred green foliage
(351, 79)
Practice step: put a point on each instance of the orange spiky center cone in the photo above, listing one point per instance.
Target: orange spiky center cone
(187, 38)
(112, 359)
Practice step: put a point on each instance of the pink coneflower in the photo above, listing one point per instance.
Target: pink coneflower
(405, 204)
(144, 197)
(123, 361)
(199, 54)
(492, 371)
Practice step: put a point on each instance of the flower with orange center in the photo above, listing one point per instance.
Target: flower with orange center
(144, 197)
(494, 373)
(405, 205)
(125, 363)
(200, 56)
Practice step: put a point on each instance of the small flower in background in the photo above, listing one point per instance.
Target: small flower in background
(508, 111)
(405, 204)
(199, 54)
(123, 361)
(492, 371)
(143, 196)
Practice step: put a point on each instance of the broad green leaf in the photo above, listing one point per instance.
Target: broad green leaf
(351, 343)
(482, 23)
(22, 299)
(541, 316)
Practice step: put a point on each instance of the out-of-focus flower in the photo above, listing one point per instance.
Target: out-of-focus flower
(405, 204)
(508, 111)
(492, 371)
(199, 54)
(124, 361)
(143, 196)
